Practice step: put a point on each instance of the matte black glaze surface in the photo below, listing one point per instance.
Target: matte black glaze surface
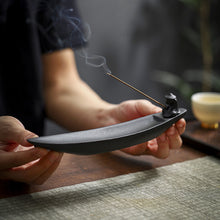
(109, 138)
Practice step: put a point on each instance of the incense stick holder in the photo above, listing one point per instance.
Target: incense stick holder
(110, 138)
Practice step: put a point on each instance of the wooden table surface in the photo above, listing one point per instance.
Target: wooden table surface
(76, 169)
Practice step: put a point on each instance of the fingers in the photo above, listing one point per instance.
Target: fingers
(42, 178)
(20, 136)
(159, 147)
(180, 126)
(174, 132)
(174, 138)
(135, 150)
(14, 159)
(30, 165)
(13, 131)
(38, 172)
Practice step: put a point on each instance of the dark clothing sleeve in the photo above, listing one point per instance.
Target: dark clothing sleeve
(59, 25)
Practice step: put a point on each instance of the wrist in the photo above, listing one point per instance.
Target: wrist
(105, 115)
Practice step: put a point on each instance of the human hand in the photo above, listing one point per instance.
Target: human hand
(19, 161)
(158, 147)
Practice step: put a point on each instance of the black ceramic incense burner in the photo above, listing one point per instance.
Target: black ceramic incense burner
(114, 137)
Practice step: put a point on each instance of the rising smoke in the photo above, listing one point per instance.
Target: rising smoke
(64, 27)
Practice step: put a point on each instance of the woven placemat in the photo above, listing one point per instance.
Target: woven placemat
(187, 190)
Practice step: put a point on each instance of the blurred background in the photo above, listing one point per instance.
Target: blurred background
(155, 45)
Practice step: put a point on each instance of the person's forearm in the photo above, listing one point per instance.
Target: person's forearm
(76, 107)
(70, 101)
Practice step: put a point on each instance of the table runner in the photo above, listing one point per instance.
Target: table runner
(186, 190)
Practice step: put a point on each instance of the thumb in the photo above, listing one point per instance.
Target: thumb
(23, 136)
(13, 131)
(144, 107)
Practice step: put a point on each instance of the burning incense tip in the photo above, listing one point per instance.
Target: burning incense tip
(137, 90)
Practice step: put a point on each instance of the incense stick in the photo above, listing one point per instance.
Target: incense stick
(137, 90)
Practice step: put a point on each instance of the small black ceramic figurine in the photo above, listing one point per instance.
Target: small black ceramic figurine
(171, 108)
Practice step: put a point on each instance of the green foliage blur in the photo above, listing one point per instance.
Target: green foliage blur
(207, 41)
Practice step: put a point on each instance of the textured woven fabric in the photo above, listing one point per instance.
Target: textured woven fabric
(187, 190)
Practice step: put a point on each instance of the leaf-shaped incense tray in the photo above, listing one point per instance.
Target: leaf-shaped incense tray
(110, 138)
